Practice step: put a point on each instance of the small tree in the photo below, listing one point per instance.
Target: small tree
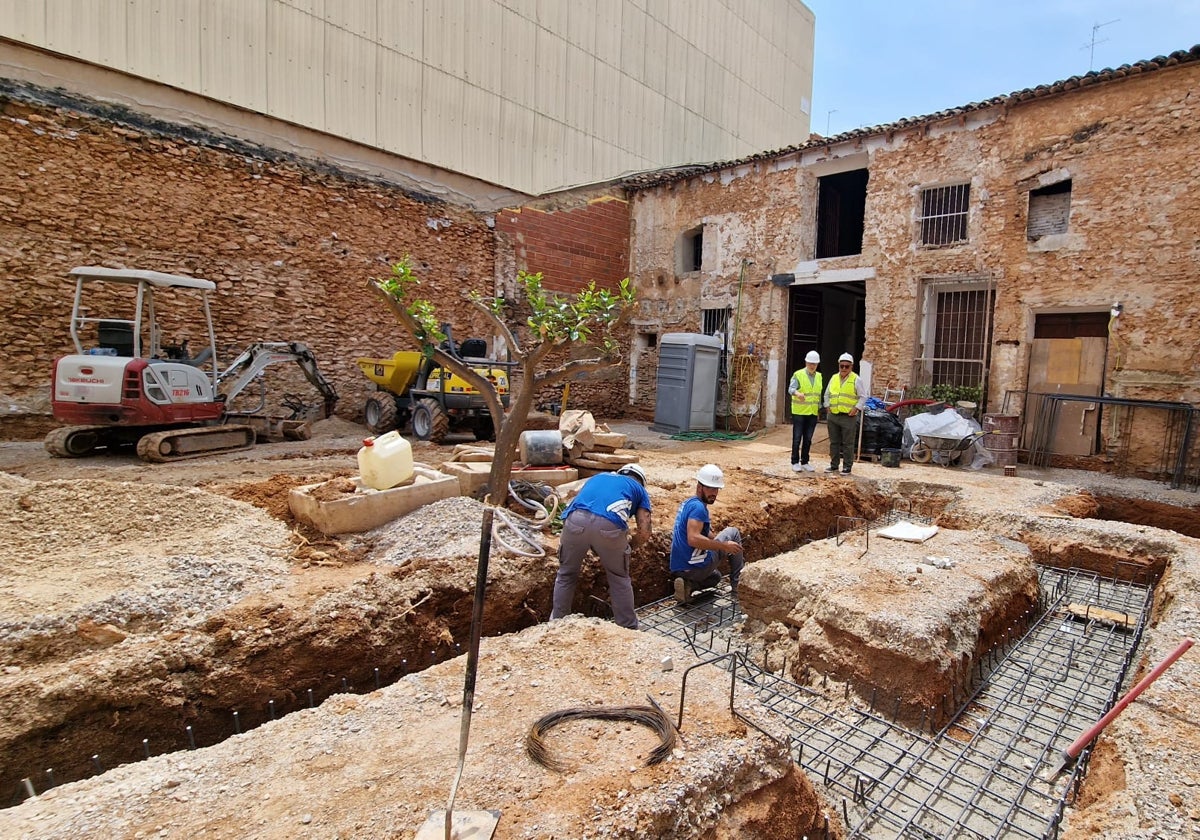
(553, 322)
(589, 317)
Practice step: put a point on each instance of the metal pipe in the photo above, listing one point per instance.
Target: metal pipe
(1072, 752)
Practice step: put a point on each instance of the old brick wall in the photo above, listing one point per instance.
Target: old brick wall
(756, 213)
(1134, 223)
(289, 246)
(573, 240)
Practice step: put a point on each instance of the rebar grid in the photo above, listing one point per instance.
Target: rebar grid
(983, 774)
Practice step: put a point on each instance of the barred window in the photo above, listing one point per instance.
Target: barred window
(943, 219)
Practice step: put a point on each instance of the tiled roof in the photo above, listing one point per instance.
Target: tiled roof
(657, 177)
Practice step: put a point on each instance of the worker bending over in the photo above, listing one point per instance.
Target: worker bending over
(598, 520)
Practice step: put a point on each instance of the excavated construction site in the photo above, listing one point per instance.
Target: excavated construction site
(181, 658)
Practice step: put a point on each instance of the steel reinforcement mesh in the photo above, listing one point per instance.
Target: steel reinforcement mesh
(986, 773)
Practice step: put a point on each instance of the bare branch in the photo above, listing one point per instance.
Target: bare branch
(509, 338)
(573, 368)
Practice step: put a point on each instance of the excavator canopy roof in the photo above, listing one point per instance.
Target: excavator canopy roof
(134, 276)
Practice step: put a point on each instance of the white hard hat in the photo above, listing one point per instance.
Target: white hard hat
(846, 357)
(813, 358)
(633, 471)
(710, 475)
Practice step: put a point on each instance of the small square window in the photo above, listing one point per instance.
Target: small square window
(943, 217)
(714, 321)
(1049, 210)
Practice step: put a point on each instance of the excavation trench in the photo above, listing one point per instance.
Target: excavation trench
(154, 686)
(349, 629)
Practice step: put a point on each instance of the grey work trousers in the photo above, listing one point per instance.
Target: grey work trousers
(708, 575)
(584, 531)
(843, 439)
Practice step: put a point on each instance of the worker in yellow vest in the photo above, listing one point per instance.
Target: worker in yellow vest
(805, 388)
(844, 399)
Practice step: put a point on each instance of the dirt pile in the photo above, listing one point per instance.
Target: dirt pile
(905, 619)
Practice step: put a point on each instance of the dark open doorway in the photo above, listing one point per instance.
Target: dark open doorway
(828, 318)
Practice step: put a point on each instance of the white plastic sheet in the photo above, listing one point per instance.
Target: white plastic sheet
(908, 532)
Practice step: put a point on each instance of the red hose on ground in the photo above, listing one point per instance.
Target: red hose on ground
(896, 406)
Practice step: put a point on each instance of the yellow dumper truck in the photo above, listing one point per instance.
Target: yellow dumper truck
(436, 401)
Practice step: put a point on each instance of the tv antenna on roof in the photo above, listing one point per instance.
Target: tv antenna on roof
(1091, 45)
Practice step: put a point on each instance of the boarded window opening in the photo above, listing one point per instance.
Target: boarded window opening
(1049, 210)
(841, 208)
(943, 219)
(691, 250)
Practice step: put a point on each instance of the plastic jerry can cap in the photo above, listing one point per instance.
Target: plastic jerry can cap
(369, 441)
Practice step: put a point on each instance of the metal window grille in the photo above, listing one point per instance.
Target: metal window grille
(957, 337)
(943, 219)
(714, 320)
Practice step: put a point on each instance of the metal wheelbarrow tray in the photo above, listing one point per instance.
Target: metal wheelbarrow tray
(946, 450)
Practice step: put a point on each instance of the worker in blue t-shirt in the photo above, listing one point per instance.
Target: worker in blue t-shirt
(598, 520)
(694, 554)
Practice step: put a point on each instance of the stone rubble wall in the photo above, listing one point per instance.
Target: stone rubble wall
(1134, 223)
(290, 248)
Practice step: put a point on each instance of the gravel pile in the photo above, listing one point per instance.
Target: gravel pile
(126, 555)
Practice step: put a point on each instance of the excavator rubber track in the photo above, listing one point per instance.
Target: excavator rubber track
(179, 444)
(76, 441)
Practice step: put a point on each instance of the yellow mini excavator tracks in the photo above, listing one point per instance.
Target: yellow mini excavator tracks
(178, 444)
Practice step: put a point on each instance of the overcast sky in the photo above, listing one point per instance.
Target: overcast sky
(880, 60)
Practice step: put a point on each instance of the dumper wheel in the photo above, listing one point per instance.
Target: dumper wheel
(379, 412)
(429, 421)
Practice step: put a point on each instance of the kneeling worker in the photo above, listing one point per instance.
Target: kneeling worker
(694, 554)
(598, 520)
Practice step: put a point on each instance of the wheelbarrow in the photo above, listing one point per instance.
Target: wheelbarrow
(945, 450)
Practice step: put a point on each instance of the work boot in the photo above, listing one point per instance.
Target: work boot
(683, 591)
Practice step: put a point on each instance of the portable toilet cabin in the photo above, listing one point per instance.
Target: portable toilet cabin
(689, 367)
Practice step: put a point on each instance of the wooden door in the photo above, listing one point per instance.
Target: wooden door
(1070, 366)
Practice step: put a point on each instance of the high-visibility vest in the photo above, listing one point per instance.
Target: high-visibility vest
(842, 393)
(807, 399)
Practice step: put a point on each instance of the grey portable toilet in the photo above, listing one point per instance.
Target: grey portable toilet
(689, 365)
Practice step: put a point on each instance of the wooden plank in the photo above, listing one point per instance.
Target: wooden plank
(1090, 612)
(611, 459)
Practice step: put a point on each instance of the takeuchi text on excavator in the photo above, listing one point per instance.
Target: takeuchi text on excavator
(128, 388)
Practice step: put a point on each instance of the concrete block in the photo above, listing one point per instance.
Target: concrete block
(367, 509)
(471, 475)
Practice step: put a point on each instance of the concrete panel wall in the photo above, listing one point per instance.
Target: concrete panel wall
(534, 96)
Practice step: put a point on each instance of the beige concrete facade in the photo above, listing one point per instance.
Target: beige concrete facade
(1107, 166)
(534, 95)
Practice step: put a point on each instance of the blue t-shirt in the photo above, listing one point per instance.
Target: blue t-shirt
(683, 556)
(615, 497)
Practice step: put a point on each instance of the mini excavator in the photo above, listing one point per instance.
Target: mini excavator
(130, 389)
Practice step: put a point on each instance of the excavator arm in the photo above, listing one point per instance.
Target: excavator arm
(258, 356)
